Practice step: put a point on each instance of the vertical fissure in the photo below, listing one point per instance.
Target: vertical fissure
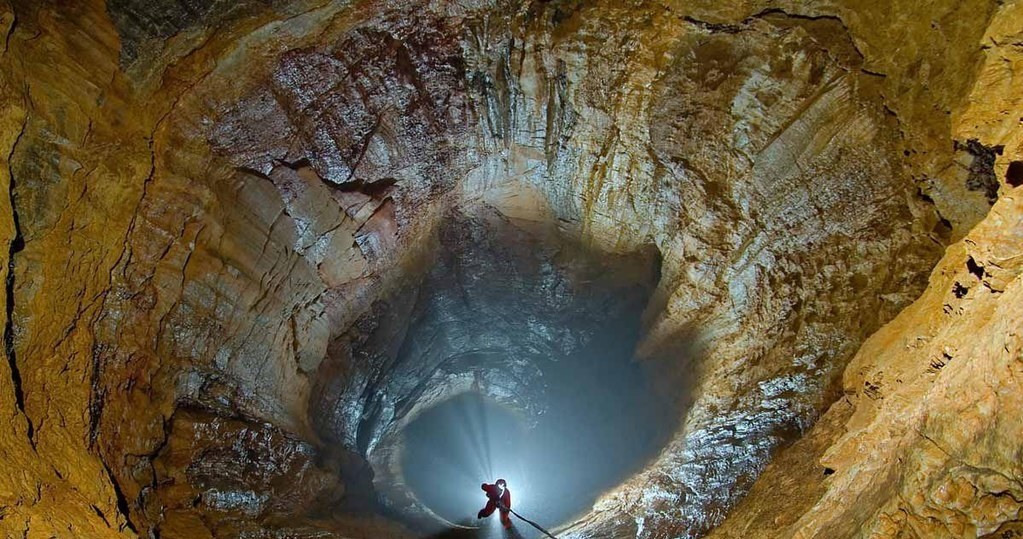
(122, 500)
(16, 246)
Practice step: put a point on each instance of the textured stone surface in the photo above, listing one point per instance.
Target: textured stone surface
(246, 474)
(928, 399)
(509, 309)
(202, 200)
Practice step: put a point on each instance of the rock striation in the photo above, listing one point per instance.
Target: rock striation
(233, 231)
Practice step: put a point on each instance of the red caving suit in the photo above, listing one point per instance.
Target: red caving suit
(493, 491)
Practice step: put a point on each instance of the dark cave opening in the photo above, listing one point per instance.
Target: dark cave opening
(601, 422)
(512, 354)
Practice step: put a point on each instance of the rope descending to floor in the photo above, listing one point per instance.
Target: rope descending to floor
(524, 519)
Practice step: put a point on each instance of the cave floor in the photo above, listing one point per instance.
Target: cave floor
(490, 529)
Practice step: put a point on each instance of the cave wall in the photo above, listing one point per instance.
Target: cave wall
(195, 210)
(52, 485)
(926, 395)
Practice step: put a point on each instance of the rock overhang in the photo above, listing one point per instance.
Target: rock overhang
(787, 237)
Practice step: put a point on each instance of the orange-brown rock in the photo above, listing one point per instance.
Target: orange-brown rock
(220, 221)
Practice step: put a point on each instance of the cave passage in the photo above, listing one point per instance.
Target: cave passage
(545, 334)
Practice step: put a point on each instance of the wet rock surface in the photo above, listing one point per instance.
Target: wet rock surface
(233, 473)
(521, 315)
(223, 223)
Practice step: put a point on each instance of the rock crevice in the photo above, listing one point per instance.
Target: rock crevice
(248, 243)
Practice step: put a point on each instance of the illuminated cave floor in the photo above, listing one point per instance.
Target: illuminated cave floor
(556, 465)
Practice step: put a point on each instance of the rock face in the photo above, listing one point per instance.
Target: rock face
(925, 398)
(213, 214)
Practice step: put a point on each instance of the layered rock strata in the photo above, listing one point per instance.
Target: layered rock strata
(201, 203)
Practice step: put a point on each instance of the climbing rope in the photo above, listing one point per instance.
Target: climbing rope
(524, 519)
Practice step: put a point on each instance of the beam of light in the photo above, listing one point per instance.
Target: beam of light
(473, 435)
(488, 463)
(600, 424)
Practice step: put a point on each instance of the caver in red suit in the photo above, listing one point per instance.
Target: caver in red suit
(498, 492)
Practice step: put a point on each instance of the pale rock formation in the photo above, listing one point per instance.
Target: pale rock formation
(208, 210)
